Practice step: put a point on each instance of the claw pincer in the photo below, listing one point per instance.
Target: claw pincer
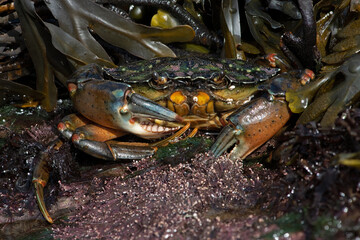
(251, 126)
(256, 122)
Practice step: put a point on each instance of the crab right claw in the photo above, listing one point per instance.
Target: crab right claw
(114, 104)
(110, 110)
(251, 126)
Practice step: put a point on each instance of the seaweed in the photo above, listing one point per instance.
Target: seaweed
(335, 90)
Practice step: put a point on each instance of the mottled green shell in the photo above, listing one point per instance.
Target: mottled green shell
(192, 69)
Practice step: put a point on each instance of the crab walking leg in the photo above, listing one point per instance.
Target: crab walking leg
(251, 126)
(94, 140)
(41, 177)
(69, 123)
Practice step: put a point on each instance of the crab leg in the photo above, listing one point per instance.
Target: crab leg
(41, 177)
(251, 126)
(94, 140)
(71, 122)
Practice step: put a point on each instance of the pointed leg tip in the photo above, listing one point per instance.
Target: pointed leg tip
(40, 200)
(49, 219)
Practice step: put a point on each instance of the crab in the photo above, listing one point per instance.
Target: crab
(167, 96)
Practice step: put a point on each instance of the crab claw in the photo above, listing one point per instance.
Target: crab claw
(141, 106)
(115, 105)
(251, 126)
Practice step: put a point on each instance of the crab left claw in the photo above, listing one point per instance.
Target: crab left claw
(256, 122)
(251, 126)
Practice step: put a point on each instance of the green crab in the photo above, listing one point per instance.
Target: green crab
(167, 96)
(155, 98)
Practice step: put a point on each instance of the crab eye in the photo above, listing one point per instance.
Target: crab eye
(219, 79)
(159, 80)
